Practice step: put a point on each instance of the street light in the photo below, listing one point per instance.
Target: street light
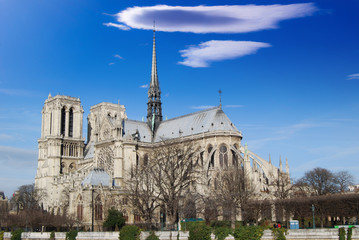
(313, 208)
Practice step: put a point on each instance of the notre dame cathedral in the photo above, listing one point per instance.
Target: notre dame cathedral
(84, 178)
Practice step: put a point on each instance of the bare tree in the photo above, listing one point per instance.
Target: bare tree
(141, 187)
(233, 189)
(282, 186)
(173, 169)
(320, 181)
(344, 179)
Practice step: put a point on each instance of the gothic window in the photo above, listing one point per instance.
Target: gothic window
(201, 158)
(234, 158)
(211, 163)
(79, 209)
(105, 160)
(71, 122)
(223, 156)
(50, 123)
(137, 218)
(124, 201)
(145, 160)
(71, 167)
(98, 208)
(124, 213)
(63, 119)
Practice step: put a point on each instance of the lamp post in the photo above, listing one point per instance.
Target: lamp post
(313, 208)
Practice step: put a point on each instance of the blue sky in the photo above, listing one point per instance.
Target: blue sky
(288, 70)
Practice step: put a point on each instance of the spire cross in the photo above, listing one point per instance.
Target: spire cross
(220, 97)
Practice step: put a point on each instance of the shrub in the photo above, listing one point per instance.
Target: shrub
(130, 232)
(349, 233)
(341, 234)
(152, 236)
(216, 224)
(200, 232)
(71, 235)
(52, 235)
(222, 232)
(279, 233)
(114, 220)
(1, 235)
(251, 232)
(16, 235)
(186, 226)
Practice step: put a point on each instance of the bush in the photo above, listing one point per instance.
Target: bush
(341, 234)
(349, 234)
(152, 236)
(16, 235)
(222, 232)
(216, 224)
(279, 233)
(186, 226)
(251, 232)
(71, 235)
(130, 232)
(200, 232)
(114, 220)
(52, 235)
(1, 235)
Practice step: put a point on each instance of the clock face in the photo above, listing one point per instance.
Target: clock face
(105, 160)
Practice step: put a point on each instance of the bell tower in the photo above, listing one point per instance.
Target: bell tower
(154, 108)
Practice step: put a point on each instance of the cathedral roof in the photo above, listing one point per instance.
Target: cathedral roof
(97, 177)
(209, 120)
(131, 126)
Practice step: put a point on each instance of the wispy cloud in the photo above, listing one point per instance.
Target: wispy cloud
(119, 26)
(11, 156)
(144, 86)
(111, 63)
(214, 50)
(16, 92)
(211, 19)
(202, 107)
(353, 76)
(118, 56)
(6, 137)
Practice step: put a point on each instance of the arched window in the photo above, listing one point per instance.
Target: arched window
(50, 123)
(211, 162)
(63, 119)
(145, 160)
(79, 209)
(223, 156)
(98, 208)
(71, 122)
(234, 158)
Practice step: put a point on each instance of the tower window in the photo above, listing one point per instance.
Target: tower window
(71, 122)
(63, 119)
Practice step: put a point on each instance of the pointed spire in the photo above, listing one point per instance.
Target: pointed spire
(270, 160)
(154, 77)
(280, 164)
(220, 98)
(154, 108)
(286, 165)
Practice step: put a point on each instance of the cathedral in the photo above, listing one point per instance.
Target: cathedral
(86, 177)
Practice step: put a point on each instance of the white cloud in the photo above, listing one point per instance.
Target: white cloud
(353, 76)
(119, 26)
(211, 19)
(214, 50)
(6, 137)
(16, 92)
(111, 63)
(144, 86)
(118, 56)
(202, 107)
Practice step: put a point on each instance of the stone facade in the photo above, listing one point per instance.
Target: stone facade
(85, 179)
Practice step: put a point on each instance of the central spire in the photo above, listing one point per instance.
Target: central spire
(154, 109)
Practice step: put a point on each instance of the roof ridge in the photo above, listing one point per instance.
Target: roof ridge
(193, 113)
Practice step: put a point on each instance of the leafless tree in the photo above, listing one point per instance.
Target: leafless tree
(344, 179)
(174, 171)
(233, 189)
(282, 186)
(320, 181)
(142, 194)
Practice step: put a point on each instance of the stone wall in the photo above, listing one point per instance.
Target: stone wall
(294, 234)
